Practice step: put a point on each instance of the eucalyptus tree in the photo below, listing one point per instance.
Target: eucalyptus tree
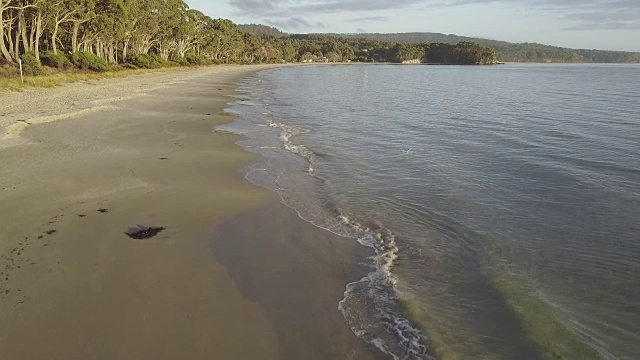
(105, 30)
(189, 31)
(4, 6)
(223, 39)
(56, 13)
(36, 27)
(147, 24)
(289, 50)
(252, 47)
(14, 27)
(82, 12)
(171, 15)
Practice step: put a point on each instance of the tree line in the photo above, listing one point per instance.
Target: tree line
(508, 52)
(104, 34)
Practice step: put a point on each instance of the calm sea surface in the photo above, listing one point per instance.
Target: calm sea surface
(502, 203)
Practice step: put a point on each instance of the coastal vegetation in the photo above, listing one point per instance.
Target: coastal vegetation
(51, 36)
(57, 40)
(508, 52)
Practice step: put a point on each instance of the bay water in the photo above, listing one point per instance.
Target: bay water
(501, 205)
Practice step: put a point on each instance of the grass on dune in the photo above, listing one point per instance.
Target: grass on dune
(56, 79)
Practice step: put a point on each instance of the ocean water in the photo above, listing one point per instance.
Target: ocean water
(501, 205)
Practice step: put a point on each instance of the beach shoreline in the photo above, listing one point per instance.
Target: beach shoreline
(84, 162)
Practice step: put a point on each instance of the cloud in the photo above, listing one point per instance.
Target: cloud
(369, 19)
(579, 14)
(622, 16)
(294, 23)
(254, 6)
(309, 7)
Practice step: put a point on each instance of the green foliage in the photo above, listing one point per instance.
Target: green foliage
(262, 30)
(306, 57)
(179, 60)
(30, 64)
(57, 60)
(464, 53)
(193, 59)
(404, 52)
(334, 56)
(510, 52)
(88, 61)
(8, 71)
(146, 61)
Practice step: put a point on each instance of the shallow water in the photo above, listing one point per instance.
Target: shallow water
(501, 202)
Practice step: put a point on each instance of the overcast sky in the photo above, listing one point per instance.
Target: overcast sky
(599, 24)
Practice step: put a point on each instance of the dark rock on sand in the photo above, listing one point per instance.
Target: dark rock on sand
(140, 232)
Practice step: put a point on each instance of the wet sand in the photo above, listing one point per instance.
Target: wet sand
(296, 272)
(235, 275)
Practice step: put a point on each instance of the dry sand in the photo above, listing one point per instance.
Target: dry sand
(231, 277)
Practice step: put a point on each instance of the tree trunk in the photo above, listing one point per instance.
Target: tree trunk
(125, 47)
(32, 32)
(38, 34)
(74, 36)
(16, 43)
(22, 29)
(3, 48)
(11, 48)
(54, 37)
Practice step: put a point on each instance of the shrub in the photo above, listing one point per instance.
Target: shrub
(194, 59)
(179, 60)
(88, 61)
(9, 71)
(30, 64)
(57, 60)
(146, 61)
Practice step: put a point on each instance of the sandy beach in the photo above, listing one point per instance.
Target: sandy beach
(234, 275)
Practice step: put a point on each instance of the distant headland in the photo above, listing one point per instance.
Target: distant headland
(505, 51)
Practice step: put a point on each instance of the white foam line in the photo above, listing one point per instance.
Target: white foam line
(386, 252)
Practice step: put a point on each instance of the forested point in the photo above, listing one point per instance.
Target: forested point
(506, 51)
(509, 52)
(100, 35)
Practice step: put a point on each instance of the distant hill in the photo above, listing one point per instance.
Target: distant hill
(509, 52)
(262, 30)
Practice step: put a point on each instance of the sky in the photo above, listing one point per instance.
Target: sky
(585, 24)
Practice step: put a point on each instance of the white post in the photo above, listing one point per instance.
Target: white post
(21, 77)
